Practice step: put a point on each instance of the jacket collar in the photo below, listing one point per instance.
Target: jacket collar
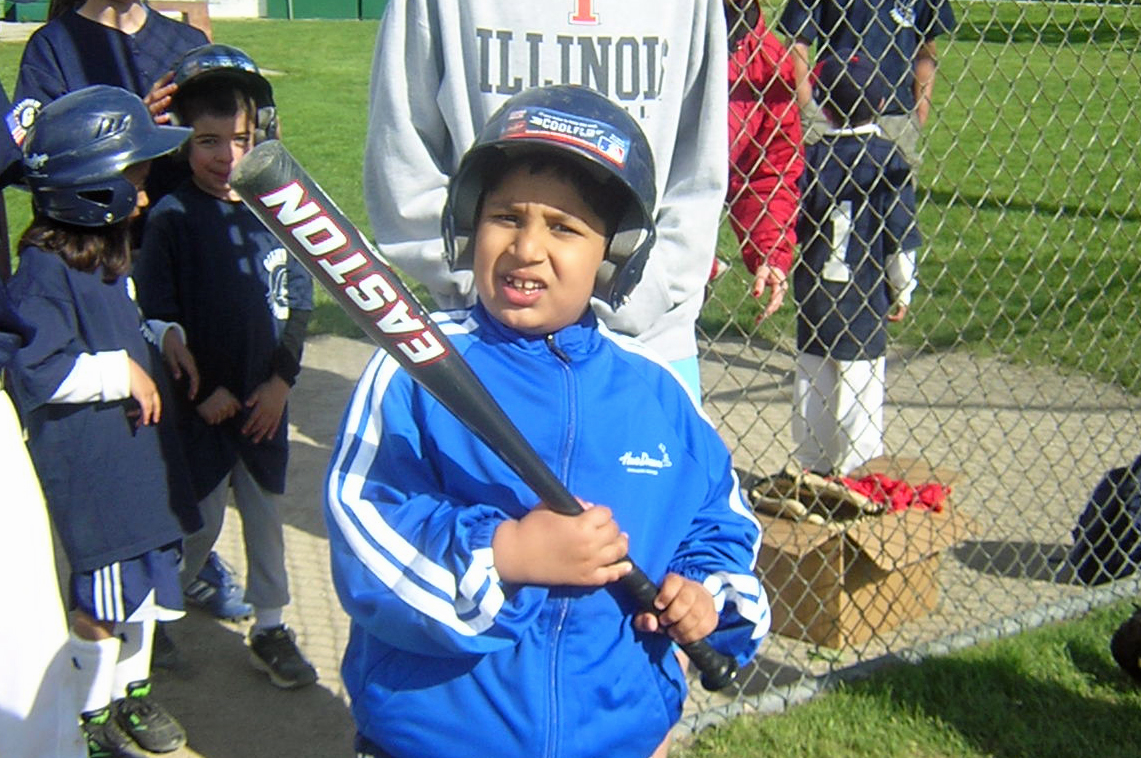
(577, 340)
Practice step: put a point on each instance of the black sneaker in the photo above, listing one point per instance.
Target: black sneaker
(146, 721)
(105, 738)
(275, 652)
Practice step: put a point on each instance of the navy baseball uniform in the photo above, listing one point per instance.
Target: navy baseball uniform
(71, 52)
(857, 208)
(888, 32)
(132, 470)
(211, 265)
(858, 239)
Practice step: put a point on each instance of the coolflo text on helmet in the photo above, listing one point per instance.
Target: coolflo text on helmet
(77, 149)
(586, 126)
(217, 62)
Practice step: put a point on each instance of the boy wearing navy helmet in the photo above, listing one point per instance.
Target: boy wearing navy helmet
(483, 622)
(209, 263)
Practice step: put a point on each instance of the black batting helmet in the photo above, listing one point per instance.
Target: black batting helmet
(593, 131)
(79, 145)
(224, 63)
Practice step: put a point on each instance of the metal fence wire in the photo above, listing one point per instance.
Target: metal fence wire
(1013, 380)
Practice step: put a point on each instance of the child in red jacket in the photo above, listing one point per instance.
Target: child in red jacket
(765, 150)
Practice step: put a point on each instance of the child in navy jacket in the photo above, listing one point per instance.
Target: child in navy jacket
(210, 264)
(88, 388)
(483, 623)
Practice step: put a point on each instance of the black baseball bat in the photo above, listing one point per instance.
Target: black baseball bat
(281, 193)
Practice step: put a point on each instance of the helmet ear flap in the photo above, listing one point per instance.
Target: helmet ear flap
(625, 259)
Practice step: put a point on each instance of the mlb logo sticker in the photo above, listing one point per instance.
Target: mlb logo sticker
(20, 119)
(613, 148)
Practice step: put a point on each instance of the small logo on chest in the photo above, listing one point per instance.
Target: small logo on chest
(644, 463)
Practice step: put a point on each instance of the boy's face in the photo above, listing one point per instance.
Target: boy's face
(216, 145)
(538, 246)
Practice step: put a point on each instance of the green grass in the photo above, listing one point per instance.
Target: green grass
(1053, 691)
(1028, 192)
(319, 71)
(1028, 195)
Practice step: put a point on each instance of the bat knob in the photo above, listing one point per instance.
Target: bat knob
(719, 676)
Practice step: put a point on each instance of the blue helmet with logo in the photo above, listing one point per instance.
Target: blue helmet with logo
(78, 147)
(224, 63)
(596, 133)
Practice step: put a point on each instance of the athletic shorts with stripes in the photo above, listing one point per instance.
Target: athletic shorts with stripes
(138, 589)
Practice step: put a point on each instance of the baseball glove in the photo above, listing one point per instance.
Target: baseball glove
(1126, 645)
(805, 496)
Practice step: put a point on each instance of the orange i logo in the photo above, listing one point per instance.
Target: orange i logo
(584, 13)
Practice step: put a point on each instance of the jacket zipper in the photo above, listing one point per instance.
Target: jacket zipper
(554, 729)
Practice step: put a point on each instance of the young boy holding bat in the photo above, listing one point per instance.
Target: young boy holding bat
(245, 305)
(483, 622)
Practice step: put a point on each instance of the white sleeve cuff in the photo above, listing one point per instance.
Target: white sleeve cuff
(159, 328)
(901, 276)
(96, 377)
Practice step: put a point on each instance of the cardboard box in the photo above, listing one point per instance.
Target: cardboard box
(839, 584)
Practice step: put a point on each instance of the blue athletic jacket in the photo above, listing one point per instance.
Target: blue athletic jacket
(444, 658)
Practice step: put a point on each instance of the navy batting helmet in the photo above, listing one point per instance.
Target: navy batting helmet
(79, 145)
(218, 63)
(587, 127)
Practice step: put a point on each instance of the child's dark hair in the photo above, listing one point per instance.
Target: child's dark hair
(213, 96)
(850, 89)
(84, 248)
(606, 198)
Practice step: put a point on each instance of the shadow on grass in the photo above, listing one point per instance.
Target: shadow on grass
(1079, 31)
(1007, 712)
(945, 199)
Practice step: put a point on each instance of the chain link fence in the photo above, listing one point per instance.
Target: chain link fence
(1013, 379)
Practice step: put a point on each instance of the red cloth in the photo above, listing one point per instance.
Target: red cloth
(766, 156)
(899, 495)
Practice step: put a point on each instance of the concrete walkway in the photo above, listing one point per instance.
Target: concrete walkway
(229, 709)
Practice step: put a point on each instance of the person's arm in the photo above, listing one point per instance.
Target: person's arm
(926, 62)
(409, 152)
(775, 182)
(286, 361)
(802, 65)
(799, 23)
(720, 553)
(412, 566)
(42, 297)
(58, 366)
(902, 239)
